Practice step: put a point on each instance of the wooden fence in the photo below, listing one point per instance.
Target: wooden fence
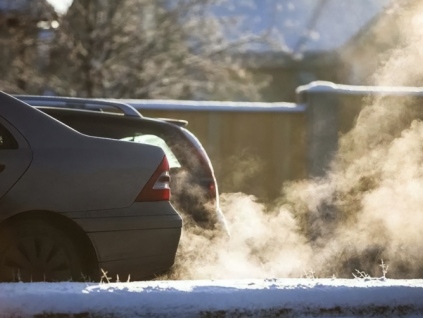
(256, 147)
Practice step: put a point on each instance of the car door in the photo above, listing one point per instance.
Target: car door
(15, 156)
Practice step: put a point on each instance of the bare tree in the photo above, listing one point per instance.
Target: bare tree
(150, 49)
(24, 33)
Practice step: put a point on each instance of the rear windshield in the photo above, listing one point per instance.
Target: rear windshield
(159, 142)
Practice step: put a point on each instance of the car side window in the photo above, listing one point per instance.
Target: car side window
(7, 141)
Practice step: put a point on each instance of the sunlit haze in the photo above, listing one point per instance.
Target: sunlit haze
(60, 5)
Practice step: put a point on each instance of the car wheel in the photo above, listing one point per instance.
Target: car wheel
(34, 250)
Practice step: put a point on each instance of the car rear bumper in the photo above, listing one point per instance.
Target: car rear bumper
(140, 240)
(139, 253)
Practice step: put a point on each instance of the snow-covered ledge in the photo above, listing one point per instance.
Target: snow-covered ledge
(252, 298)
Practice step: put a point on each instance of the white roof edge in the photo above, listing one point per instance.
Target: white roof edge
(325, 87)
(183, 105)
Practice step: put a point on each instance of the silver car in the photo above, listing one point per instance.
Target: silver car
(72, 204)
(194, 187)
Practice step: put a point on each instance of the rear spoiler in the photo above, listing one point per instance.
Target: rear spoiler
(177, 122)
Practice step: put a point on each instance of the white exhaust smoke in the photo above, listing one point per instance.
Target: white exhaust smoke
(368, 207)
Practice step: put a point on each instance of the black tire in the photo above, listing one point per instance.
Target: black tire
(34, 250)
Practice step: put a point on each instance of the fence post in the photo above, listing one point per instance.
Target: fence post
(213, 134)
(322, 126)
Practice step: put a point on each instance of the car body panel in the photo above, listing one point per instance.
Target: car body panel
(13, 162)
(72, 178)
(75, 172)
(33, 124)
(93, 182)
(143, 242)
(190, 185)
(153, 227)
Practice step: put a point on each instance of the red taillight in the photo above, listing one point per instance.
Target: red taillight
(157, 188)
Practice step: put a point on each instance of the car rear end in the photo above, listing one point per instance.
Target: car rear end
(116, 193)
(120, 201)
(193, 183)
(209, 214)
(194, 187)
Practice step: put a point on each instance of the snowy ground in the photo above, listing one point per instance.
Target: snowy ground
(242, 298)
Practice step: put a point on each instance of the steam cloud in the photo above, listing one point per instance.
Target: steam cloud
(368, 207)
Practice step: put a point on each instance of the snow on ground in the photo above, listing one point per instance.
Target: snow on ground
(241, 298)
